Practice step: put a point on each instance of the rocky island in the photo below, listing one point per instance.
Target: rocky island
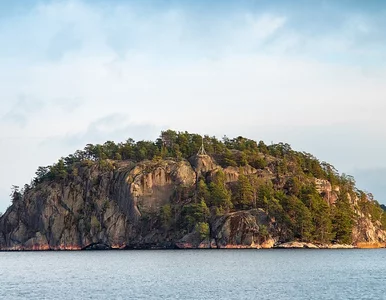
(188, 191)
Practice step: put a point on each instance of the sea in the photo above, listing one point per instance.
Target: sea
(195, 274)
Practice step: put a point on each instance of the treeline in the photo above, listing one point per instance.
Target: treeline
(238, 151)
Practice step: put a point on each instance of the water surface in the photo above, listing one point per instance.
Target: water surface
(194, 274)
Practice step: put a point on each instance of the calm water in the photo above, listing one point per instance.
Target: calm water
(194, 274)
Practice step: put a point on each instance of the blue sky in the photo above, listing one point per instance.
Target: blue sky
(310, 73)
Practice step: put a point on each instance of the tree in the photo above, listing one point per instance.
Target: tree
(168, 138)
(332, 173)
(383, 220)
(296, 216)
(90, 152)
(15, 194)
(219, 194)
(321, 218)
(41, 174)
(194, 213)
(258, 162)
(320, 212)
(242, 159)
(347, 181)
(263, 232)
(244, 192)
(110, 149)
(303, 222)
(166, 215)
(203, 191)
(203, 229)
(228, 159)
(292, 186)
(127, 149)
(58, 170)
(263, 147)
(342, 220)
(264, 195)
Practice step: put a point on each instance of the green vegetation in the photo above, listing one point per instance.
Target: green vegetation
(193, 214)
(203, 229)
(95, 223)
(220, 195)
(283, 184)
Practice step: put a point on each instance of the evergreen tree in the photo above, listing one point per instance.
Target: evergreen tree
(203, 191)
(244, 192)
(342, 220)
(219, 194)
(194, 213)
(303, 222)
(321, 217)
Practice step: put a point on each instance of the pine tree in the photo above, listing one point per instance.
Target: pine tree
(342, 220)
(219, 194)
(244, 192)
(203, 191)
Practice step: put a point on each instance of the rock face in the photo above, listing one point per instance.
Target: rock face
(203, 164)
(366, 231)
(247, 229)
(238, 230)
(93, 208)
(121, 208)
(325, 188)
(114, 209)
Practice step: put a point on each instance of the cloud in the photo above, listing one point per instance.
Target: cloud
(62, 42)
(115, 127)
(22, 110)
(96, 71)
(67, 105)
(28, 107)
(264, 26)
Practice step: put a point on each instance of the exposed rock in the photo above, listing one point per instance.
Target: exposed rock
(369, 245)
(95, 208)
(297, 245)
(340, 246)
(268, 244)
(192, 240)
(243, 229)
(121, 209)
(203, 164)
(232, 173)
(325, 188)
(366, 231)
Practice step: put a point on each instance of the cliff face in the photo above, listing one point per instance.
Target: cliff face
(123, 207)
(94, 207)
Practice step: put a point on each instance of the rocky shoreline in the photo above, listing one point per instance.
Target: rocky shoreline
(301, 245)
(204, 245)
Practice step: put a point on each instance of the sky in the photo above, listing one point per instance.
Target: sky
(308, 73)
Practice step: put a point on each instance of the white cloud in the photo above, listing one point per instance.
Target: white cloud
(129, 73)
(264, 26)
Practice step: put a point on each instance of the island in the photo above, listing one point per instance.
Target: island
(185, 190)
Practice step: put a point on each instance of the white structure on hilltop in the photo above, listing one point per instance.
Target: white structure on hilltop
(202, 151)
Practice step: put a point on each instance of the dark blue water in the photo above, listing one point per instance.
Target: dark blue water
(194, 274)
